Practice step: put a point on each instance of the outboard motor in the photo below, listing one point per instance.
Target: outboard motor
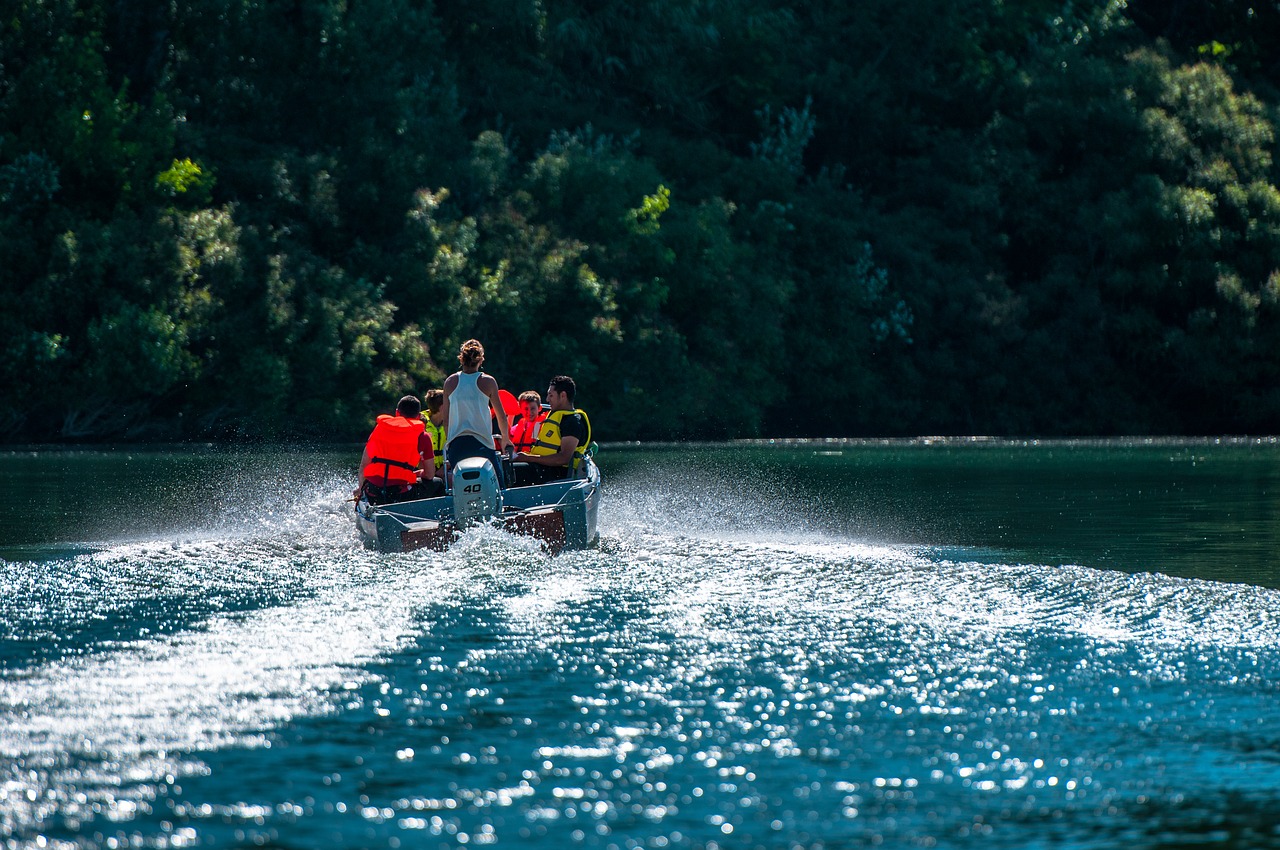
(476, 494)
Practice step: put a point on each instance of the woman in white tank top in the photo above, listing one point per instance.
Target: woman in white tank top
(471, 402)
(469, 409)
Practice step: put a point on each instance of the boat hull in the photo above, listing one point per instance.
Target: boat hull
(561, 514)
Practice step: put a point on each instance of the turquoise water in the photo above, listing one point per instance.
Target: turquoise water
(820, 645)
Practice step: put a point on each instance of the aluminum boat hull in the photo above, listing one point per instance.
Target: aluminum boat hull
(562, 514)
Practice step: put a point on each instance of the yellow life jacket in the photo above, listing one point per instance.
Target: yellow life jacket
(438, 437)
(548, 439)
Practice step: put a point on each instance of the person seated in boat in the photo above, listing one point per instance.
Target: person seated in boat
(524, 425)
(396, 465)
(433, 421)
(563, 437)
(471, 402)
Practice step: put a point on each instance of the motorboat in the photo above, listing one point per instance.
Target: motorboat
(562, 514)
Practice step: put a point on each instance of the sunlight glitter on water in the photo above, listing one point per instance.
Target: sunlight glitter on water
(687, 684)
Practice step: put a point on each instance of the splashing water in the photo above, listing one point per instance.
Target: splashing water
(725, 670)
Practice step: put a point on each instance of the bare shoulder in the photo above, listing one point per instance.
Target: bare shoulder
(450, 383)
(487, 384)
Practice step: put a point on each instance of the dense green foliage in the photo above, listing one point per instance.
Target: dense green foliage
(245, 217)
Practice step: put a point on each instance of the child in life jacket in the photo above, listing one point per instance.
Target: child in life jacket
(524, 425)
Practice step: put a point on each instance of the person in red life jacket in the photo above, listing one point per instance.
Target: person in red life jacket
(524, 425)
(398, 463)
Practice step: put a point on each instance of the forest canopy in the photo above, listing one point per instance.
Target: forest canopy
(253, 218)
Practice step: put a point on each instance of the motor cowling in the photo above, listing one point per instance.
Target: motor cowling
(476, 494)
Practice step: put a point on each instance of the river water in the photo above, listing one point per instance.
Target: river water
(796, 645)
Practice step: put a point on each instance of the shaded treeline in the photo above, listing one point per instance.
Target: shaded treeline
(254, 217)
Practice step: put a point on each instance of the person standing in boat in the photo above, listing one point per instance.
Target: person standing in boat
(471, 403)
(396, 464)
(562, 437)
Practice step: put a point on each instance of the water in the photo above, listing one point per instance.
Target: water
(821, 645)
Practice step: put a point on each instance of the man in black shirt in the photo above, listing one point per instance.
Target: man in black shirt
(562, 437)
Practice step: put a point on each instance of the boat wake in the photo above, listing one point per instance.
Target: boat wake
(746, 548)
(125, 668)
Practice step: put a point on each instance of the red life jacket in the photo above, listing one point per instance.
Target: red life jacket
(393, 451)
(524, 431)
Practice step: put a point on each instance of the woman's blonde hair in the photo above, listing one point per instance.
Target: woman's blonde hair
(471, 354)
